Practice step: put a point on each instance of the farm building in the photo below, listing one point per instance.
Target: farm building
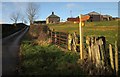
(94, 16)
(52, 19)
(39, 22)
(107, 17)
(116, 18)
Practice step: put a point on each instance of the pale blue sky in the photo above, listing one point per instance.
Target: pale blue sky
(61, 9)
(60, 0)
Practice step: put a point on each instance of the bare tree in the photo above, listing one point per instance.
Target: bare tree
(23, 19)
(32, 11)
(15, 17)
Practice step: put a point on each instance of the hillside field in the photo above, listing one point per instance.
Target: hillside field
(109, 29)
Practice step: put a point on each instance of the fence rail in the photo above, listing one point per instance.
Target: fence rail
(59, 38)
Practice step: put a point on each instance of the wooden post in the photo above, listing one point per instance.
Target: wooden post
(111, 56)
(59, 37)
(55, 38)
(101, 51)
(116, 58)
(89, 48)
(97, 54)
(69, 41)
(48, 31)
(74, 42)
(75, 37)
(90, 54)
(93, 53)
(92, 50)
(51, 35)
(80, 34)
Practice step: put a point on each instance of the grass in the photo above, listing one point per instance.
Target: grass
(109, 29)
(48, 60)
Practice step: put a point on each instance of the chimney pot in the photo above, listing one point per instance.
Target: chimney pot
(52, 13)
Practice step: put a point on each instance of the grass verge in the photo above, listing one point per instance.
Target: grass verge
(48, 60)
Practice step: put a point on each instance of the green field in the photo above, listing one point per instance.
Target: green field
(109, 29)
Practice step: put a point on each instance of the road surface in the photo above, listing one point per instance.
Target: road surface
(10, 51)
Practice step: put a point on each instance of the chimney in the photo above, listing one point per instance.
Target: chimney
(52, 13)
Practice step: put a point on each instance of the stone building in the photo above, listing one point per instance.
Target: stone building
(107, 17)
(94, 16)
(52, 19)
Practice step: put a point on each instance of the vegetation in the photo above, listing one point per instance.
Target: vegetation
(39, 57)
(15, 17)
(109, 29)
(44, 60)
(32, 11)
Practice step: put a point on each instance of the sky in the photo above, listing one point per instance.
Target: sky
(62, 9)
(60, 0)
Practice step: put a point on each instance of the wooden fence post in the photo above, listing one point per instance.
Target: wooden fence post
(90, 53)
(92, 49)
(55, 38)
(116, 58)
(97, 54)
(48, 31)
(101, 51)
(51, 35)
(89, 47)
(59, 38)
(74, 42)
(69, 41)
(111, 56)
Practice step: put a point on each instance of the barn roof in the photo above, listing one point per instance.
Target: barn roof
(53, 15)
(93, 13)
(107, 16)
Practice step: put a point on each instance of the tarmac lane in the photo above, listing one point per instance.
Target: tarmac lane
(10, 51)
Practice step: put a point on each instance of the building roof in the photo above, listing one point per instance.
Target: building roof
(107, 16)
(93, 13)
(53, 16)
